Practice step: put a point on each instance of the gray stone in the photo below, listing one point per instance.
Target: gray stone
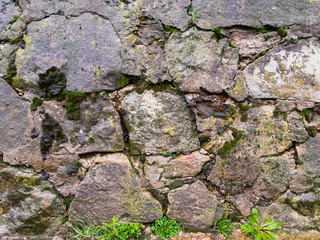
(305, 204)
(193, 205)
(238, 90)
(234, 173)
(211, 113)
(275, 176)
(301, 182)
(147, 62)
(170, 12)
(255, 14)
(97, 130)
(287, 72)
(185, 165)
(251, 44)
(196, 61)
(262, 132)
(14, 119)
(10, 29)
(296, 127)
(309, 153)
(159, 122)
(287, 216)
(6, 50)
(85, 48)
(28, 205)
(111, 188)
(142, 52)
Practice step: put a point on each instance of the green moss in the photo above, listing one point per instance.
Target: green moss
(232, 46)
(244, 117)
(262, 53)
(306, 114)
(72, 105)
(52, 82)
(160, 43)
(12, 79)
(261, 30)
(91, 140)
(170, 30)
(244, 107)
(176, 184)
(218, 32)
(34, 181)
(227, 147)
(277, 112)
(134, 148)
(156, 87)
(15, 41)
(67, 201)
(36, 102)
(64, 220)
(282, 33)
(312, 131)
(13, 20)
(298, 161)
(122, 81)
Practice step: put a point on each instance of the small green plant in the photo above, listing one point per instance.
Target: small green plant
(225, 227)
(165, 228)
(119, 231)
(192, 11)
(107, 231)
(259, 230)
(225, 224)
(84, 231)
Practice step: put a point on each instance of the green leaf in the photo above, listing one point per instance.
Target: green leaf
(274, 235)
(255, 214)
(272, 226)
(252, 220)
(258, 236)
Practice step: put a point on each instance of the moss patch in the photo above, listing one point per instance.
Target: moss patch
(52, 131)
(227, 147)
(36, 102)
(122, 81)
(52, 82)
(282, 33)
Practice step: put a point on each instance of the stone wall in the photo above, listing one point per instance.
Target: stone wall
(150, 108)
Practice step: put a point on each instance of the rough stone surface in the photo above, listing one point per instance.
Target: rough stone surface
(6, 50)
(255, 14)
(275, 176)
(193, 205)
(13, 124)
(90, 60)
(296, 127)
(287, 72)
(309, 153)
(97, 130)
(234, 173)
(252, 43)
(28, 205)
(266, 134)
(193, 69)
(111, 188)
(287, 216)
(305, 204)
(159, 122)
(186, 165)
(10, 27)
(171, 12)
